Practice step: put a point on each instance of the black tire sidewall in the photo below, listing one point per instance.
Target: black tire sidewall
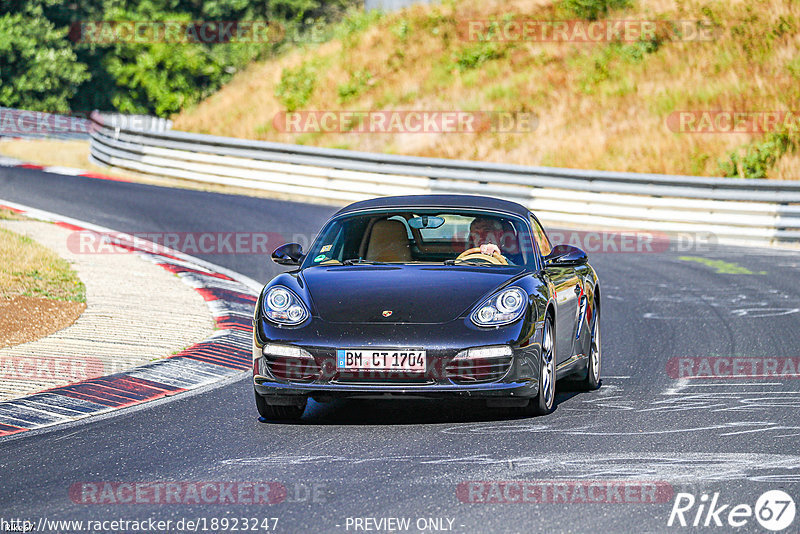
(274, 412)
(538, 403)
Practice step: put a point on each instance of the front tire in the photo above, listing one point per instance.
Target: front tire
(274, 412)
(545, 400)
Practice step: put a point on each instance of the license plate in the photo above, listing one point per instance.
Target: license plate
(380, 360)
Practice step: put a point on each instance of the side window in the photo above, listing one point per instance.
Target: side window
(541, 238)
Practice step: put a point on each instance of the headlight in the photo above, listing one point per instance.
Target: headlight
(283, 306)
(502, 308)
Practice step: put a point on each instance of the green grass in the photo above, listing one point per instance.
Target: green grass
(591, 9)
(33, 270)
(608, 69)
(721, 267)
(756, 159)
(472, 57)
(793, 67)
(354, 24)
(297, 85)
(358, 83)
(9, 215)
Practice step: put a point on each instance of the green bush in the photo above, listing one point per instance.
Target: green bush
(476, 55)
(604, 64)
(637, 50)
(793, 66)
(760, 157)
(400, 30)
(296, 86)
(359, 81)
(354, 22)
(592, 9)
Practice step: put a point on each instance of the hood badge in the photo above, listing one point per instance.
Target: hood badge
(387, 313)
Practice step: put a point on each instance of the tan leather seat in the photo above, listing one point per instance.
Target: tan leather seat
(389, 242)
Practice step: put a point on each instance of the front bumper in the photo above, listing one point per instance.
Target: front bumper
(270, 388)
(441, 341)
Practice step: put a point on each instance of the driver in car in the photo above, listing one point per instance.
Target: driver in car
(486, 233)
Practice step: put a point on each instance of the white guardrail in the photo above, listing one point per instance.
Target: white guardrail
(733, 210)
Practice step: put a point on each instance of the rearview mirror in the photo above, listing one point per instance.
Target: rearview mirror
(425, 221)
(288, 254)
(566, 255)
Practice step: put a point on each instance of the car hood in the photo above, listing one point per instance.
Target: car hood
(413, 293)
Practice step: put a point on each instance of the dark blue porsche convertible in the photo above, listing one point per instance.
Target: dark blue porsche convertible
(427, 296)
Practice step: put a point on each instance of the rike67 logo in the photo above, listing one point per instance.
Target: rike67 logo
(774, 510)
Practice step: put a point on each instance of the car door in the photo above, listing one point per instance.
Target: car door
(566, 284)
(567, 287)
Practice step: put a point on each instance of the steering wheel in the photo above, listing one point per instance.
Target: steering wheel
(476, 254)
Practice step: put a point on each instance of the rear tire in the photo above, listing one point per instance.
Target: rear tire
(274, 412)
(592, 380)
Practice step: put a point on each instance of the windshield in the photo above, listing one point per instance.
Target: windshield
(452, 237)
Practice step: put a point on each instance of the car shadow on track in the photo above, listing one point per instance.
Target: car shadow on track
(415, 411)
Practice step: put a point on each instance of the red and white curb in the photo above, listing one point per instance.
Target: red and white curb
(230, 297)
(6, 161)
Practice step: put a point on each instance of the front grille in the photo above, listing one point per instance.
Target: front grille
(293, 369)
(382, 377)
(477, 370)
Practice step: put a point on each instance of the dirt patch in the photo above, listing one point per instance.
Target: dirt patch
(24, 319)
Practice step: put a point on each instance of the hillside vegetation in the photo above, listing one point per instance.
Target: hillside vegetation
(153, 57)
(601, 105)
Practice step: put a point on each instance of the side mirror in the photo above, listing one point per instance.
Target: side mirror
(564, 255)
(288, 254)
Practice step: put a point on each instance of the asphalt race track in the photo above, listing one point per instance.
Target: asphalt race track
(377, 459)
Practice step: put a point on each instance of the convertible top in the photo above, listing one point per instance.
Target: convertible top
(438, 201)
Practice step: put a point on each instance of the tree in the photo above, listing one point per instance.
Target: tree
(38, 69)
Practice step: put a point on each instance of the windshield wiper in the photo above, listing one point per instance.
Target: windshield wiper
(361, 261)
(467, 262)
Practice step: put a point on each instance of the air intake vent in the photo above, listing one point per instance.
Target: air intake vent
(293, 369)
(477, 370)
